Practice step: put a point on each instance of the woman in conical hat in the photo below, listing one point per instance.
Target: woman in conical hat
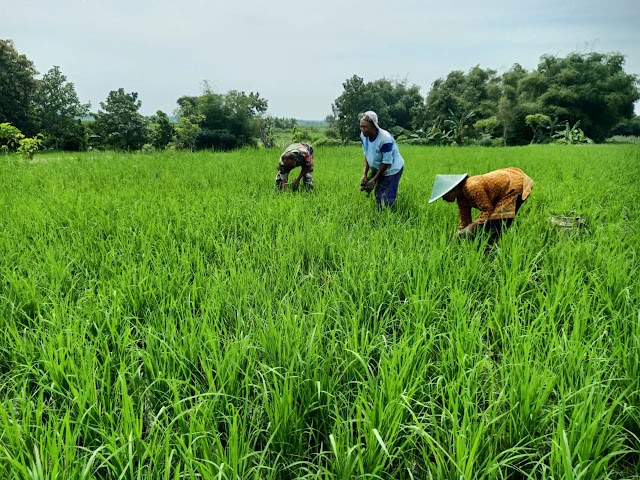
(498, 195)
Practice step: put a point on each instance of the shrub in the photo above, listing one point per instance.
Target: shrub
(29, 146)
(624, 139)
(10, 136)
(328, 142)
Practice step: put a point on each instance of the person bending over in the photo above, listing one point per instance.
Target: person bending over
(295, 155)
(382, 160)
(497, 194)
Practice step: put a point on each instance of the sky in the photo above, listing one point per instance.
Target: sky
(296, 53)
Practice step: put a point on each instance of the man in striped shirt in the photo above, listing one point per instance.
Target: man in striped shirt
(382, 158)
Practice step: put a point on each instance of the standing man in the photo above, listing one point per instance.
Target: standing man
(382, 157)
(295, 155)
(498, 195)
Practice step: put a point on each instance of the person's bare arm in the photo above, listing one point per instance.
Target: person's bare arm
(363, 181)
(303, 172)
(383, 168)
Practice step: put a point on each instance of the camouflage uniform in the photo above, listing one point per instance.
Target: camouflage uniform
(303, 155)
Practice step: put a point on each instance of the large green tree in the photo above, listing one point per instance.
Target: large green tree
(188, 126)
(590, 88)
(220, 121)
(17, 88)
(457, 96)
(628, 127)
(119, 125)
(398, 99)
(391, 100)
(162, 131)
(355, 98)
(58, 110)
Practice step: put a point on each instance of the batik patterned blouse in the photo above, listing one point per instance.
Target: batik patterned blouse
(495, 194)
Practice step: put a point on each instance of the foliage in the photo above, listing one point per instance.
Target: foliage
(119, 125)
(225, 121)
(164, 319)
(76, 137)
(627, 127)
(17, 87)
(434, 135)
(10, 136)
(299, 135)
(162, 130)
(188, 126)
(148, 148)
(458, 94)
(57, 111)
(488, 126)
(392, 101)
(635, 140)
(355, 99)
(508, 109)
(265, 131)
(591, 88)
(539, 123)
(30, 145)
(283, 123)
(330, 120)
(328, 142)
(485, 140)
(331, 133)
(398, 99)
(571, 135)
(459, 125)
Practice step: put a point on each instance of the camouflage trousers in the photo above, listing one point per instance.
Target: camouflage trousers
(307, 181)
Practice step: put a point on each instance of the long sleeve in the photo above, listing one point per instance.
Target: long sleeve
(464, 211)
(483, 202)
(477, 196)
(495, 194)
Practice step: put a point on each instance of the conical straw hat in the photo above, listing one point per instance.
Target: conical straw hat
(444, 184)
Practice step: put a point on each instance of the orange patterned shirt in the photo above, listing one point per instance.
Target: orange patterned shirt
(495, 194)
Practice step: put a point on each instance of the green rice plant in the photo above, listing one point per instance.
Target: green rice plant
(167, 315)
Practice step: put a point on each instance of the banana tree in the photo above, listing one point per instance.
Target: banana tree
(571, 135)
(459, 125)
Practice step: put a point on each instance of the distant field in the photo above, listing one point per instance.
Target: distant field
(169, 316)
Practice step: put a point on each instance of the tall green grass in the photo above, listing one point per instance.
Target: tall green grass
(169, 316)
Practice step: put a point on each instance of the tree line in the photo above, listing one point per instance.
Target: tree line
(578, 97)
(575, 99)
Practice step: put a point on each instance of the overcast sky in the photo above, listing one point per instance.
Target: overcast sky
(297, 54)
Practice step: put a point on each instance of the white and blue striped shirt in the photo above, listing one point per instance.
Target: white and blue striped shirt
(382, 150)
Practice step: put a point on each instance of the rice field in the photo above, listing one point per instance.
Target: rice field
(169, 316)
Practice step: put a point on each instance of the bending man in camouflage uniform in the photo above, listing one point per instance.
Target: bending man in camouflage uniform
(295, 155)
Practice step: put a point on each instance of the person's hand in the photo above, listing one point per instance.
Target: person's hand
(466, 232)
(363, 181)
(295, 185)
(367, 187)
